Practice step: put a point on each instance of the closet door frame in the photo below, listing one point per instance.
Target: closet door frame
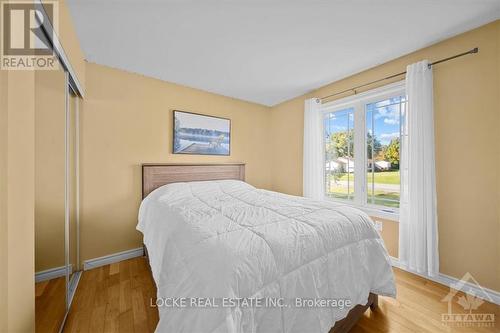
(44, 21)
(71, 283)
(66, 186)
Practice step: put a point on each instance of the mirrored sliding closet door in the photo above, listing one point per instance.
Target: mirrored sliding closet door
(50, 199)
(57, 268)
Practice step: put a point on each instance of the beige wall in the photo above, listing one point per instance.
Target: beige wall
(467, 118)
(390, 235)
(17, 150)
(126, 121)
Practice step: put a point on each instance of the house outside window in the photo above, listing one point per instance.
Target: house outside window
(362, 136)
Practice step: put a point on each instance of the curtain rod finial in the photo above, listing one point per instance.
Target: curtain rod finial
(475, 50)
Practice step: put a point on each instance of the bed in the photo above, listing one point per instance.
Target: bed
(228, 257)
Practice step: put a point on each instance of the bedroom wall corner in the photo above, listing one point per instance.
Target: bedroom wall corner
(126, 120)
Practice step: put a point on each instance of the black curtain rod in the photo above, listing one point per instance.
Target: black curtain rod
(474, 50)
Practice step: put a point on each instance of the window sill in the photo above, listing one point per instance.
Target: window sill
(373, 211)
(380, 213)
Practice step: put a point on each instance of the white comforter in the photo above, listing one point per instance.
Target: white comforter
(219, 244)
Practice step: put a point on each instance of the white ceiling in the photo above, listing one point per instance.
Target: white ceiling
(265, 51)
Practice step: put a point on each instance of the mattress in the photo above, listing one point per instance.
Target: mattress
(228, 257)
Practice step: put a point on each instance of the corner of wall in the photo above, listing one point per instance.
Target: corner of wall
(287, 128)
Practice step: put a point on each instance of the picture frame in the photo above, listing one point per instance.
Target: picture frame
(200, 134)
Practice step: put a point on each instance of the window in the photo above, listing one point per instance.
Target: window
(383, 137)
(362, 136)
(339, 154)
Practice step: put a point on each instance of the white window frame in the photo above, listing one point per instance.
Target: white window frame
(358, 102)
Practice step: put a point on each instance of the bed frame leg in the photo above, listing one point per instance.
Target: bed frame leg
(345, 325)
(374, 302)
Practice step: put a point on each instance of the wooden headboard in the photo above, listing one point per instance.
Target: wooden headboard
(156, 175)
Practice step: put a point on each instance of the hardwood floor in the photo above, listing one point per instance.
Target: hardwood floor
(50, 305)
(116, 298)
(418, 308)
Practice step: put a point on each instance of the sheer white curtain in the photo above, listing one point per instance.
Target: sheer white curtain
(418, 231)
(313, 150)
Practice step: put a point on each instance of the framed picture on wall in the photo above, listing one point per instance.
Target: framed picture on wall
(200, 134)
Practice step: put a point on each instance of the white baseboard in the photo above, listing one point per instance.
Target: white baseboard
(50, 274)
(449, 281)
(112, 258)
